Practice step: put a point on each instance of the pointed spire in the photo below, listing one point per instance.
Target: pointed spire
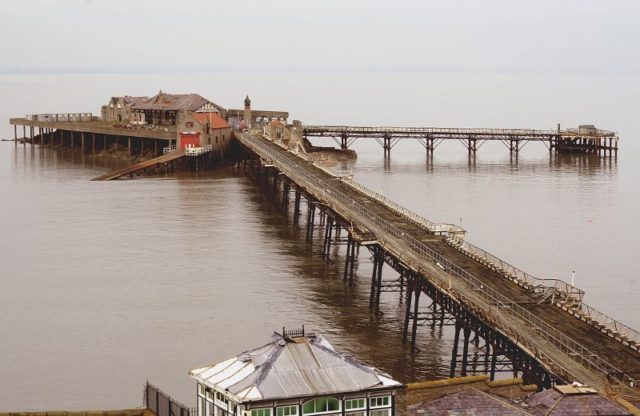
(247, 101)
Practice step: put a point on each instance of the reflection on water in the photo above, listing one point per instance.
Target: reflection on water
(106, 284)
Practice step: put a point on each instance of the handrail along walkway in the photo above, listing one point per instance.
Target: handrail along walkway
(565, 344)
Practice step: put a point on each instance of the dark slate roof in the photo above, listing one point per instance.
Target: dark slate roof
(287, 368)
(554, 403)
(469, 402)
(171, 102)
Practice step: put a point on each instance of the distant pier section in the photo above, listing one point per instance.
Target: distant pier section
(585, 139)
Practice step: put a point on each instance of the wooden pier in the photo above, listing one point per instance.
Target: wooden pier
(82, 131)
(165, 162)
(585, 139)
(539, 329)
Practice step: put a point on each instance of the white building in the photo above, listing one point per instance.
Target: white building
(294, 375)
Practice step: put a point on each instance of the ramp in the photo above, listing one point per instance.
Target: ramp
(139, 167)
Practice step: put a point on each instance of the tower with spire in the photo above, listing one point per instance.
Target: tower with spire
(247, 112)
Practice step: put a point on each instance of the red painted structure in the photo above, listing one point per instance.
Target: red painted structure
(189, 139)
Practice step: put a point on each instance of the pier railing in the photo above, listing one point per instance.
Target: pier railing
(197, 151)
(416, 131)
(168, 149)
(517, 274)
(616, 328)
(61, 117)
(435, 228)
(580, 310)
(581, 354)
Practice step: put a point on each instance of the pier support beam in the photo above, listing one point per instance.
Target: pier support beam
(326, 250)
(416, 304)
(376, 278)
(407, 316)
(465, 350)
(386, 146)
(296, 208)
(344, 141)
(454, 351)
(311, 217)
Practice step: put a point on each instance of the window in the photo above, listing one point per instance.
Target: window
(287, 411)
(321, 405)
(210, 395)
(379, 401)
(261, 412)
(222, 398)
(201, 390)
(354, 404)
(380, 412)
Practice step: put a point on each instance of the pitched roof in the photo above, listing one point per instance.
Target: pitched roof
(288, 368)
(129, 100)
(560, 401)
(172, 102)
(216, 121)
(469, 402)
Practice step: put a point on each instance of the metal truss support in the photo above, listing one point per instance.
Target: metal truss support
(296, 208)
(311, 217)
(376, 277)
(326, 248)
(350, 259)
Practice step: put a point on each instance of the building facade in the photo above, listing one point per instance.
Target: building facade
(209, 128)
(119, 110)
(164, 109)
(294, 375)
(250, 118)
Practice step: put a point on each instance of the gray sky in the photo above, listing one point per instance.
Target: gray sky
(321, 35)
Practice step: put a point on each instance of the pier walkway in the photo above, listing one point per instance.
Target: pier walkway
(144, 166)
(585, 139)
(546, 319)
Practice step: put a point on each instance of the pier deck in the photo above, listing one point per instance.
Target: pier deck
(584, 140)
(570, 346)
(143, 166)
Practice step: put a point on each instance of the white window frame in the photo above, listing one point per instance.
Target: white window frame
(381, 409)
(267, 409)
(371, 399)
(294, 407)
(326, 412)
(364, 404)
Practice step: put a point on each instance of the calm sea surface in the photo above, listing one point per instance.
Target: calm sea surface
(106, 284)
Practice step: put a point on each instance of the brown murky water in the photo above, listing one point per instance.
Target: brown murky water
(104, 285)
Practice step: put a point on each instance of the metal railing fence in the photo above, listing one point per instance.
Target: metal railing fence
(61, 117)
(517, 274)
(398, 131)
(162, 404)
(316, 185)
